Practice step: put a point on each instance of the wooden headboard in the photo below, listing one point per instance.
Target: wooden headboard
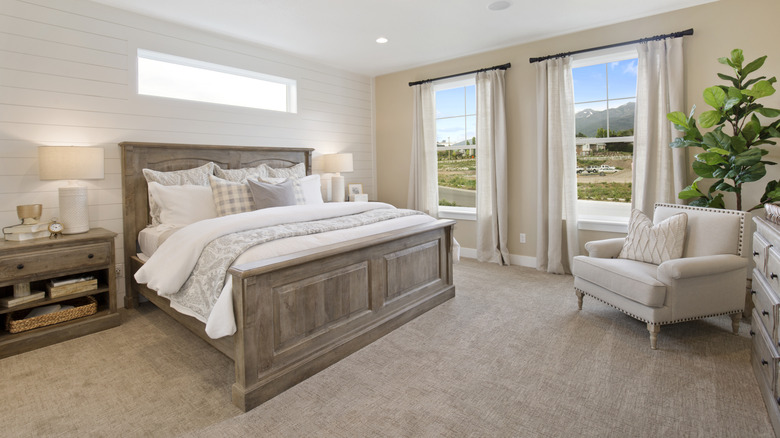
(168, 156)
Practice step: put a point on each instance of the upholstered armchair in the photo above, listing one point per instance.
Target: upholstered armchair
(707, 280)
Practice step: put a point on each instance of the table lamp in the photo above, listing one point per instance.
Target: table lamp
(71, 163)
(337, 163)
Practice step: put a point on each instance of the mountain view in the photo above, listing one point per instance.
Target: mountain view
(621, 118)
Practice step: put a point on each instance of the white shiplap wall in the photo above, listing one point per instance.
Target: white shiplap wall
(67, 77)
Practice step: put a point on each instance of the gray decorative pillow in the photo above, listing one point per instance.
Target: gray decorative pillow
(298, 171)
(243, 174)
(654, 244)
(231, 197)
(273, 195)
(198, 176)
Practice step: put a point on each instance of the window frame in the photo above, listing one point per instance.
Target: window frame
(291, 85)
(448, 212)
(590, 214)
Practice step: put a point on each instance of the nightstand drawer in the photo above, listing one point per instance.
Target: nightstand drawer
(766, 305)
(764, 354)
(43, 262)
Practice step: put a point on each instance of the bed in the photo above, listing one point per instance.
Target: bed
(298, 313)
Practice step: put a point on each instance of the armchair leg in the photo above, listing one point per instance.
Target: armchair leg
(735, 317)
(579, 298)
(653, 329)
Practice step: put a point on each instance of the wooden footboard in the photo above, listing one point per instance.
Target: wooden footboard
(298, 314)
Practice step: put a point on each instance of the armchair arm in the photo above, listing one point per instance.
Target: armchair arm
(700, 266)
(605, 249)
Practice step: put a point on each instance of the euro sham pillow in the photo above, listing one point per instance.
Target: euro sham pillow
(198, 176)
(242, 174)
(183, 204)
(231, 197)
(267, 195)
(298, 171)
(654, 244)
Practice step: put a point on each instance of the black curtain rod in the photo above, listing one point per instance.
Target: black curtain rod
(495, 67)
(609, 46)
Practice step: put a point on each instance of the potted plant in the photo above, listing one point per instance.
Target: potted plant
(732, 154)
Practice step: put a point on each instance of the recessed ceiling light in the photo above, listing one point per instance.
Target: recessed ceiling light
(499, 5)
(381, 40)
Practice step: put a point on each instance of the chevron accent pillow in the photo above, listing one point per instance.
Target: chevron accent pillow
(654, 244)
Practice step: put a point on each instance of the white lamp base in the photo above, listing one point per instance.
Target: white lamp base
(74, 211)
(337, 191)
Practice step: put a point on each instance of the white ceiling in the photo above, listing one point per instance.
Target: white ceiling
(342, 33)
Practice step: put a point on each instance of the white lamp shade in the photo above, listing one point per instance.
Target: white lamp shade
(70, 162)
(335, 163)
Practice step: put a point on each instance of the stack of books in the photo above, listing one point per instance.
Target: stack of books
(26, 232)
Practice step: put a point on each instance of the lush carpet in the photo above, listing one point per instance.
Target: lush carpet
(510, 355)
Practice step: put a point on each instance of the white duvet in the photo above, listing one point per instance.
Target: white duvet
(171, 264)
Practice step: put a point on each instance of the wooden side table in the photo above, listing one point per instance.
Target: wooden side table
(39, 260)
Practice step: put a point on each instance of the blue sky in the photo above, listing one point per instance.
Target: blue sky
(456, 102)
(590, 83)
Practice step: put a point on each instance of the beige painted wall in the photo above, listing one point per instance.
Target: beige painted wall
(714, 37)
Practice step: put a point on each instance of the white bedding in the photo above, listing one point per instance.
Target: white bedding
(171, 264)
(150, 238)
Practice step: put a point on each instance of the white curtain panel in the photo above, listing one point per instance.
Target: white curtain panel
(659, 171)
(423, 181)
(491, 168)
(557, 240)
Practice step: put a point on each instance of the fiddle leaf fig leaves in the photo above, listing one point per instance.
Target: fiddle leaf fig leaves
(734, 157)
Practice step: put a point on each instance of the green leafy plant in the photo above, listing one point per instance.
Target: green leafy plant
(732, 155)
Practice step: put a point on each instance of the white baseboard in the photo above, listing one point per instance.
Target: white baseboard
(514, 259)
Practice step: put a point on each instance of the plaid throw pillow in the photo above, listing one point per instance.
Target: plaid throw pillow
(231, 197)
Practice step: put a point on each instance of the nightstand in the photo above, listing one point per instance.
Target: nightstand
(40, 260)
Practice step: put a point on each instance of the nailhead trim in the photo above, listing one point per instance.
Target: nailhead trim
(659, 323)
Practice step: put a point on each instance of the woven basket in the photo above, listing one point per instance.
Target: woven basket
(83, 306)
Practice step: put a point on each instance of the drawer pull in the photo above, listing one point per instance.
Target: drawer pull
(89, 256)
(752, 292)
(752, 333)
(763, 362)
(20, 266)
(778, 400)
(755, 253)
(773, 276)
(765, 313)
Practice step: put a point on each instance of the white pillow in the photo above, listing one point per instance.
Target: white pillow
(183, 205)
(311, 188)
(654, 244)
(197, 176)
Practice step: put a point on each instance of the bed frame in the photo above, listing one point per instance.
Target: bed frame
(297, 314)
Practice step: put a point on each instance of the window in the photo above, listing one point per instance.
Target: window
(456, 142)
(175, 77)
(604, 106)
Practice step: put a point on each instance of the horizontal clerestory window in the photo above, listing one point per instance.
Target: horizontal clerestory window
(170, 76)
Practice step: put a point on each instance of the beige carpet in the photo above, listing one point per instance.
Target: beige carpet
(510, 355)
